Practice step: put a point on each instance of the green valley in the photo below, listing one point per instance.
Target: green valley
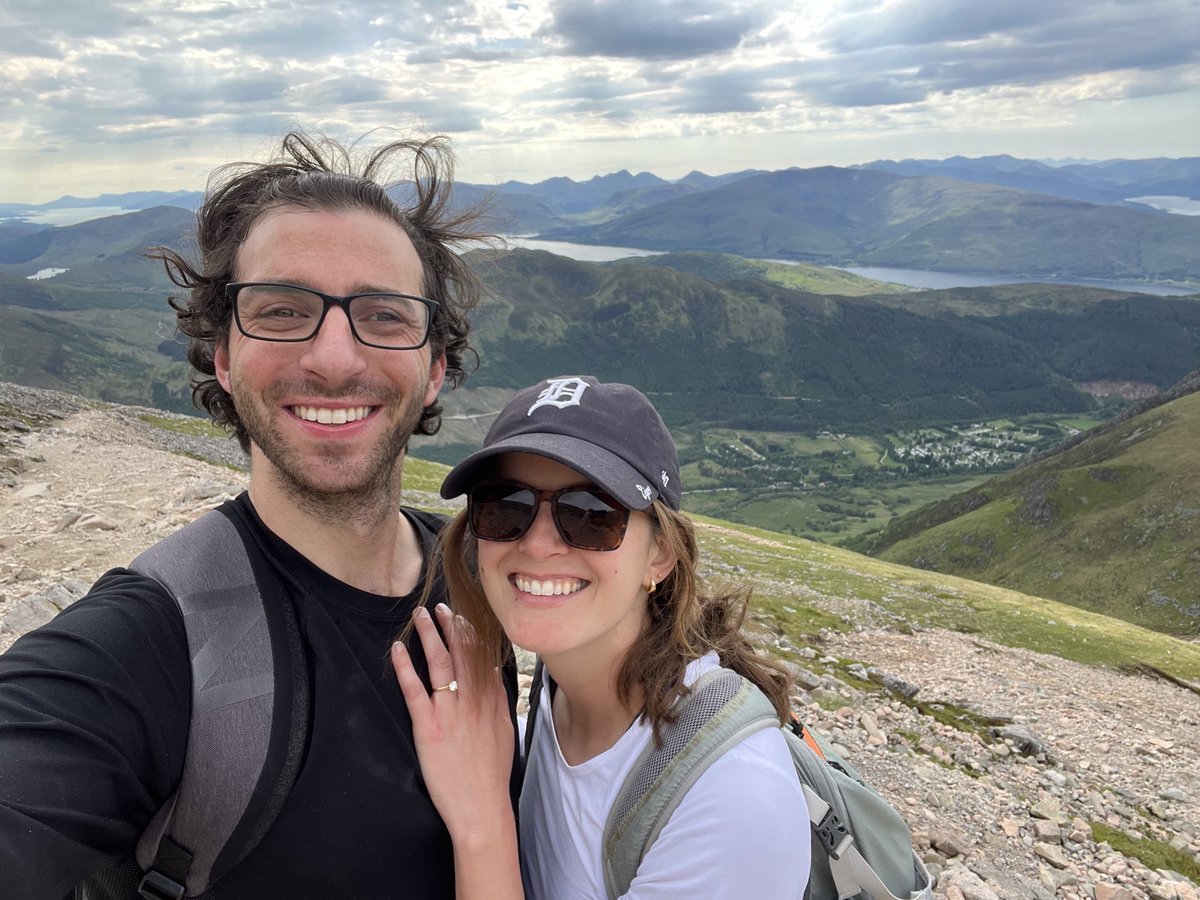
(1110, 523)
(834, 487)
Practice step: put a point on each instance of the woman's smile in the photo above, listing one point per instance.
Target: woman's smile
(548, 587)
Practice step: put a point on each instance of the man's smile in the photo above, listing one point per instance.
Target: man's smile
(325, 415)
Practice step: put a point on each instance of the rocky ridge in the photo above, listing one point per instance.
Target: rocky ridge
(1002, 772)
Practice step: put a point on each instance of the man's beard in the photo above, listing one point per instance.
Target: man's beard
(366, 495)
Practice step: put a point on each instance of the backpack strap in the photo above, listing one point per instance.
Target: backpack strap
(250, 709)
(535, 699)
(852, 874)
(720, 710)
(797, 728)
(840, 804)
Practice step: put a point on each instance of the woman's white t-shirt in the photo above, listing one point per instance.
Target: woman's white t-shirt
(741, 831)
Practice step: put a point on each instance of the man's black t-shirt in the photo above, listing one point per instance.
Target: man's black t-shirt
(94, 710)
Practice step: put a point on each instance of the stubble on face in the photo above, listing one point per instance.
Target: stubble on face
(334, 489)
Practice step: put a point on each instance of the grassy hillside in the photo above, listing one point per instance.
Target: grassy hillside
(870, 217)
(102, 354)
(1011, 300)
(1111, 524)
(753, 354)
(95, 239)
(719, 267)
(1032, 234)
(16, 290)
(801, 587)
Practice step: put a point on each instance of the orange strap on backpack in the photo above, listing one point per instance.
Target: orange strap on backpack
(798, 727)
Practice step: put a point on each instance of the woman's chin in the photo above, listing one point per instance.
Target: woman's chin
(542, 638)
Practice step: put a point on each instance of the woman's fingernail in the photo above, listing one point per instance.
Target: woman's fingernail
(443, 609)
(422, 612)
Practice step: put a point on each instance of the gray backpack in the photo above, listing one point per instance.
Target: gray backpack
(861, 848)
(250, 714)
(249, 723)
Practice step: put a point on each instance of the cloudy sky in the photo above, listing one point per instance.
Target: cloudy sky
(110, 95)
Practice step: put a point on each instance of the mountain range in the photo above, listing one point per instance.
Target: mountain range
(1107, 181)
(871, 217)
(993, 215)
(720, 340)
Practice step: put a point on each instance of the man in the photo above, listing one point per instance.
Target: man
(324, 319)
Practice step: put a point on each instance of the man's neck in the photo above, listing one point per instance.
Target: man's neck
(378, 551)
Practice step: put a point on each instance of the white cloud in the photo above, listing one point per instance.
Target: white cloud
(534, 88)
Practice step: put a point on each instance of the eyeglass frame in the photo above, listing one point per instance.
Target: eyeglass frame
(328, 300)
(551, 497)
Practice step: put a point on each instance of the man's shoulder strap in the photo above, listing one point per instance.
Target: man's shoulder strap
(250, 706)
(721, 710)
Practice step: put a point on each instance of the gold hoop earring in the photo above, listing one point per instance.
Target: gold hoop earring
(651, 587)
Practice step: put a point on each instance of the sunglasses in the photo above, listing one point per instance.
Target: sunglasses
(586, 517)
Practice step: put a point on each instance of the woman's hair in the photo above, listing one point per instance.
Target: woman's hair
(685, 622)
(408, 182)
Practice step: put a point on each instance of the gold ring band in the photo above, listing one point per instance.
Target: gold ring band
(452, 687)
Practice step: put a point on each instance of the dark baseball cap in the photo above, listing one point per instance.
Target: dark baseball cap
(608, 432)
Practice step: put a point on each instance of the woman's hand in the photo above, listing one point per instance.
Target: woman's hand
(464, 739)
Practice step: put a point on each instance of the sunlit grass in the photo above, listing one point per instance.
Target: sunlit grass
(192, 426)
(1152, 853)
(790, 576)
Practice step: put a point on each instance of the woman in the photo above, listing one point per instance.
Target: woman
(573, 546)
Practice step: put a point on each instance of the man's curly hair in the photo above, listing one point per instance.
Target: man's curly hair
(319, 173)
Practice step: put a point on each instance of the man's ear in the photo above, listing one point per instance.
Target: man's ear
(437, 375)
(221, 365)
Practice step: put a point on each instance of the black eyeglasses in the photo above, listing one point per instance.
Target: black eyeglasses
(586, 517)
(286, 313)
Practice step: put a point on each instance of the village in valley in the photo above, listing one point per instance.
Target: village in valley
(980, 445)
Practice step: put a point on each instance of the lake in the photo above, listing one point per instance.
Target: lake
(1179, 206)
(581, 252)
(43, 274)
(916, 278)
(68, 215)
(919, 278)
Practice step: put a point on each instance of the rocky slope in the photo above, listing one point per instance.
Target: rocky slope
(86, 487)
